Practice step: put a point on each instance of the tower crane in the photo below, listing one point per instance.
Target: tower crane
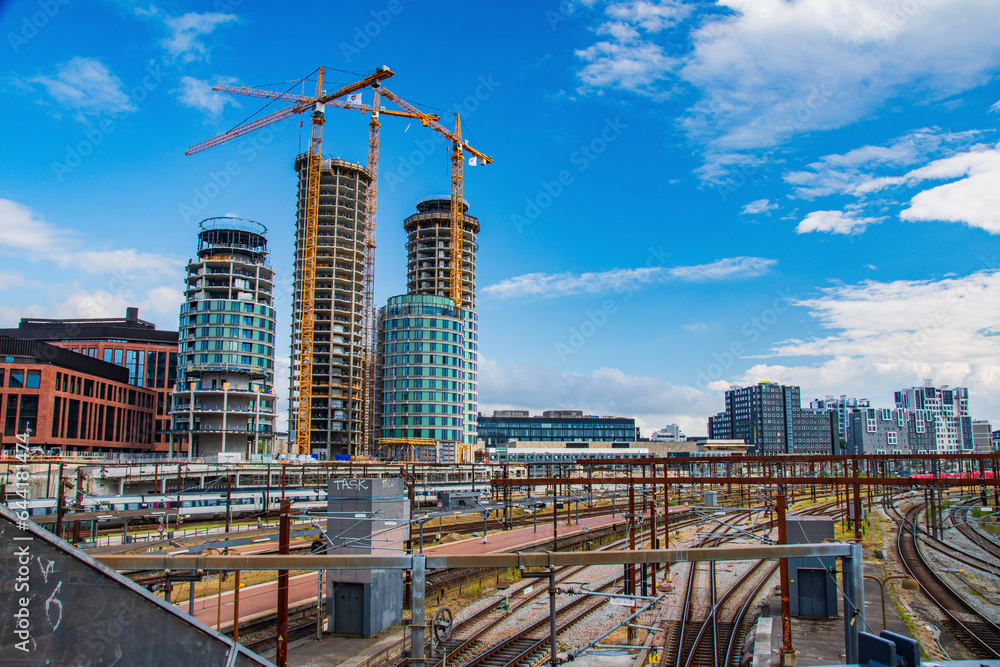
(459, 147)
(318, 103)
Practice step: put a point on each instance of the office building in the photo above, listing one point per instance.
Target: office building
(554, 426)
(71, 401)
(884, 431)
(670, 433)
(844, 405)
(224, 400)
(949, 407)
(337, 378)
(149, 354)
(770, 419)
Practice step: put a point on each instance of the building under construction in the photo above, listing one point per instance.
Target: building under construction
(428, 350)
(224, 399)
(338, 353)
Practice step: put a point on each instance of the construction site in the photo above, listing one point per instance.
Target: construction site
(390, 536)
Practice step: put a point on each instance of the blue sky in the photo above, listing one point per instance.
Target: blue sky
(685, 195)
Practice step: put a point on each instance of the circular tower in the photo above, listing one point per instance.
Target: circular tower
(224, 398)
(428, 247)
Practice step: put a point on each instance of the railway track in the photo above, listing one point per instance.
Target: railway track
(978, 634)
(984, 542)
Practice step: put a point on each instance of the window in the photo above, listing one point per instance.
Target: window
(16, 379)
(34, 379)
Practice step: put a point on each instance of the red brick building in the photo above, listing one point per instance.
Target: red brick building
(71, 401)
(148, 354)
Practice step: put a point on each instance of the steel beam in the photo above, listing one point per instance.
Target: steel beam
(532, 559)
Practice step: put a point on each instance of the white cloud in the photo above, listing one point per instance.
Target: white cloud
(185, 32)
(198, 94)
(835, 222)
(605, 391)
(884, 336)
(549, 285)
(10, 278)
(973, 199)
(88, 87)
(758, 207)
(695, 326)
(637, 68)
(774, 68)
(768, 70)
(853, 172)
(22, 233)
(629, 60)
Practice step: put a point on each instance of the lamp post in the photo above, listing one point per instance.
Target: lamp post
(909, 583)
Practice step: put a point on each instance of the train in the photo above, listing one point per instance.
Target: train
(201, 505)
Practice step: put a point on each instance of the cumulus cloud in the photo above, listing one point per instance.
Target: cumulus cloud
(198, 94)
(628, 60)
(87, 87)
(835, 222)
(768, 70)
(550, 285)
(605, 391)
(882, 336)
(972, 196)
(695, 326)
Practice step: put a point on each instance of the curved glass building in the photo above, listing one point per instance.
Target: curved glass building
(224, 398)
(422, 351)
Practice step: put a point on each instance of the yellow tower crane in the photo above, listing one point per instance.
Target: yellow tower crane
(318, 104)
(459, 148)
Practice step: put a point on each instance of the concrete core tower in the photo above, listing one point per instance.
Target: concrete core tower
(224, 398)
(338, 358)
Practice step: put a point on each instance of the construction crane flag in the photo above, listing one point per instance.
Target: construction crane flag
(354, 98)
(473, 161)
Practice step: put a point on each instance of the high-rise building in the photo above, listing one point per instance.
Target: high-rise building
(844, 405)
(948, 407)
(423, 321)
(337, 419)
(428, 271)
(769, 417)
(224, 401)
(149, 354)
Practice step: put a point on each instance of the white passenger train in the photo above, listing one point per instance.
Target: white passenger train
(212, 505)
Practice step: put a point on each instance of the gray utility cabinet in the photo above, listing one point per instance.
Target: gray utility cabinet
(812, 581)
(366, 516)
